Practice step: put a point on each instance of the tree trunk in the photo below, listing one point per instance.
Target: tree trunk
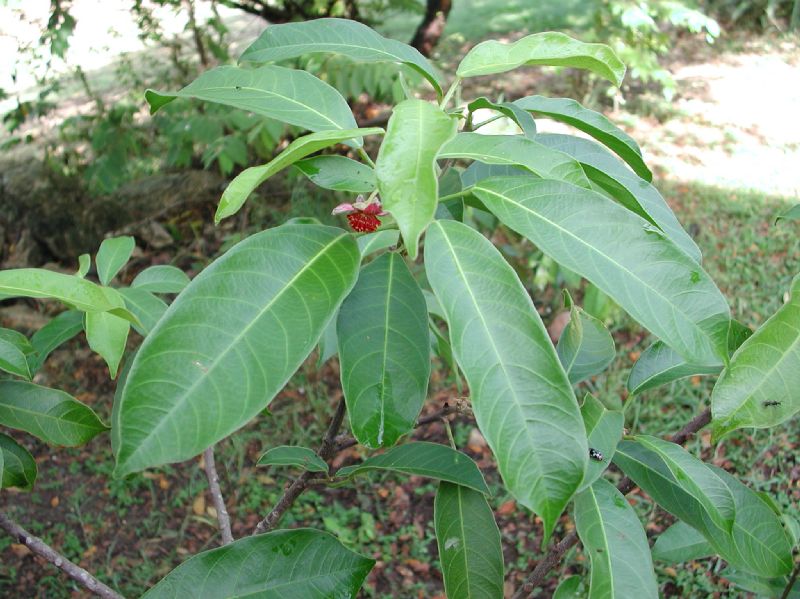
(432, 26)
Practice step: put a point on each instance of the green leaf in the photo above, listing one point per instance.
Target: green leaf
(286, 455)
(759, 387)
(107, 334)
(328, 343)
(294, 97)
(229, 343)
(340, 36)
(379, 240)
(681, 543)
(792, 213)
(406, 166)
(628, 189)
(246, 182)
(60, 329)
(147, 308)
(161, 278)
(659, 364)
(760, 586)
(570, 588)
(17, 466)
(521, 397)
(515, 150)
(604, 429)
(548, 48)
(585, 347)
(13, 349)
(421, 458)
(469, 543)
(338, 173)
(613, 537)
(300, 563)
(113, 254)
(521, 117)
(51, 415)
(623, 255)
(84, 264)
(595, 124)
(384, 352)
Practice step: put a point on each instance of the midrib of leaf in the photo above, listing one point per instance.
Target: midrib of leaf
(463, 538)
(602, 255)
(183, 397)
(489, 335)
(47, 416)
(606, 553)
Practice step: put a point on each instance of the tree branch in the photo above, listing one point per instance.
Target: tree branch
(42, 549)
(223, 518)
(626, 485)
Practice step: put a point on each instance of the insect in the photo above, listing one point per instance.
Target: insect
(769, 404)
(362, 215)
(595, 455)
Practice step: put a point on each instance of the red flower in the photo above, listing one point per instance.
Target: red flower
(363, 217)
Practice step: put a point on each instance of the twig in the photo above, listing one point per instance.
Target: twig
(792, 581)
(216, 496)
(626, 485)
(42, 549)
(326, 451)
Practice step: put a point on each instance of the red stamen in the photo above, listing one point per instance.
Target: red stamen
(363, 223)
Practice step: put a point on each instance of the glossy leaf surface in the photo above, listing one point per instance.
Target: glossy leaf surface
(338, 173)
(301, 457)
(161, 278)
(113, 254)
(521, 397)
(60, 329)
(681, 543)
(585, 346)
(147, 308)
(230, 342)
(604, 430)
(17, 466)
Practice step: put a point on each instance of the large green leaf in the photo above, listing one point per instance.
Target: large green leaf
(760, 386)
(521, 397)
(60, 329)
(469, 544)
(340, 36)
(52, 415)
(113, 254)
(147, 308)
(604, 430)
(595, 124)
(286, 563)
(245, 182)
(630, 190)
(515, 150)
(622, 254)
(17, 466)
(286, 455)
(14, 347)
(585, 346)
(406, 166)
(425, 459)
(548, 48)
(338, 173)
(161, 278)
(615, 540)
(384, 352)
(681, 543)
(521, 117)
(230, 342)
(287, 95)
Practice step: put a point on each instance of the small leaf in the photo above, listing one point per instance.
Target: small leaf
(421, 458)
(246, 182)
(615, 540)
(161, 278)
(792, 213)
(17, 466)
(760, 586)
(84, 264)
(384, 352)
(585, 347)
(328, 343)
(406, 166)
(521, 117)
(681, 543)
(288, 95)
(379, 240)
(286, 455)
(301, 562)
(759, 387)
(51, 415)
(107, 334)
(13, 348)
(60, 329)
(340, 36)
(659, 364)
(604, 429)
(595, 124)
(570, 588)
(514, 150)
(338, 173)
(469, 543)
(113, 254)
(147, 308)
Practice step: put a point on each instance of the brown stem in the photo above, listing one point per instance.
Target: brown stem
(198, 37)
(42, 549)
(432, 26)
(223, 518)
(626, 485)
(791, 583)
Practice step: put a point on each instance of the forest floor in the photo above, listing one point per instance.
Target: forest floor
(726, 154)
